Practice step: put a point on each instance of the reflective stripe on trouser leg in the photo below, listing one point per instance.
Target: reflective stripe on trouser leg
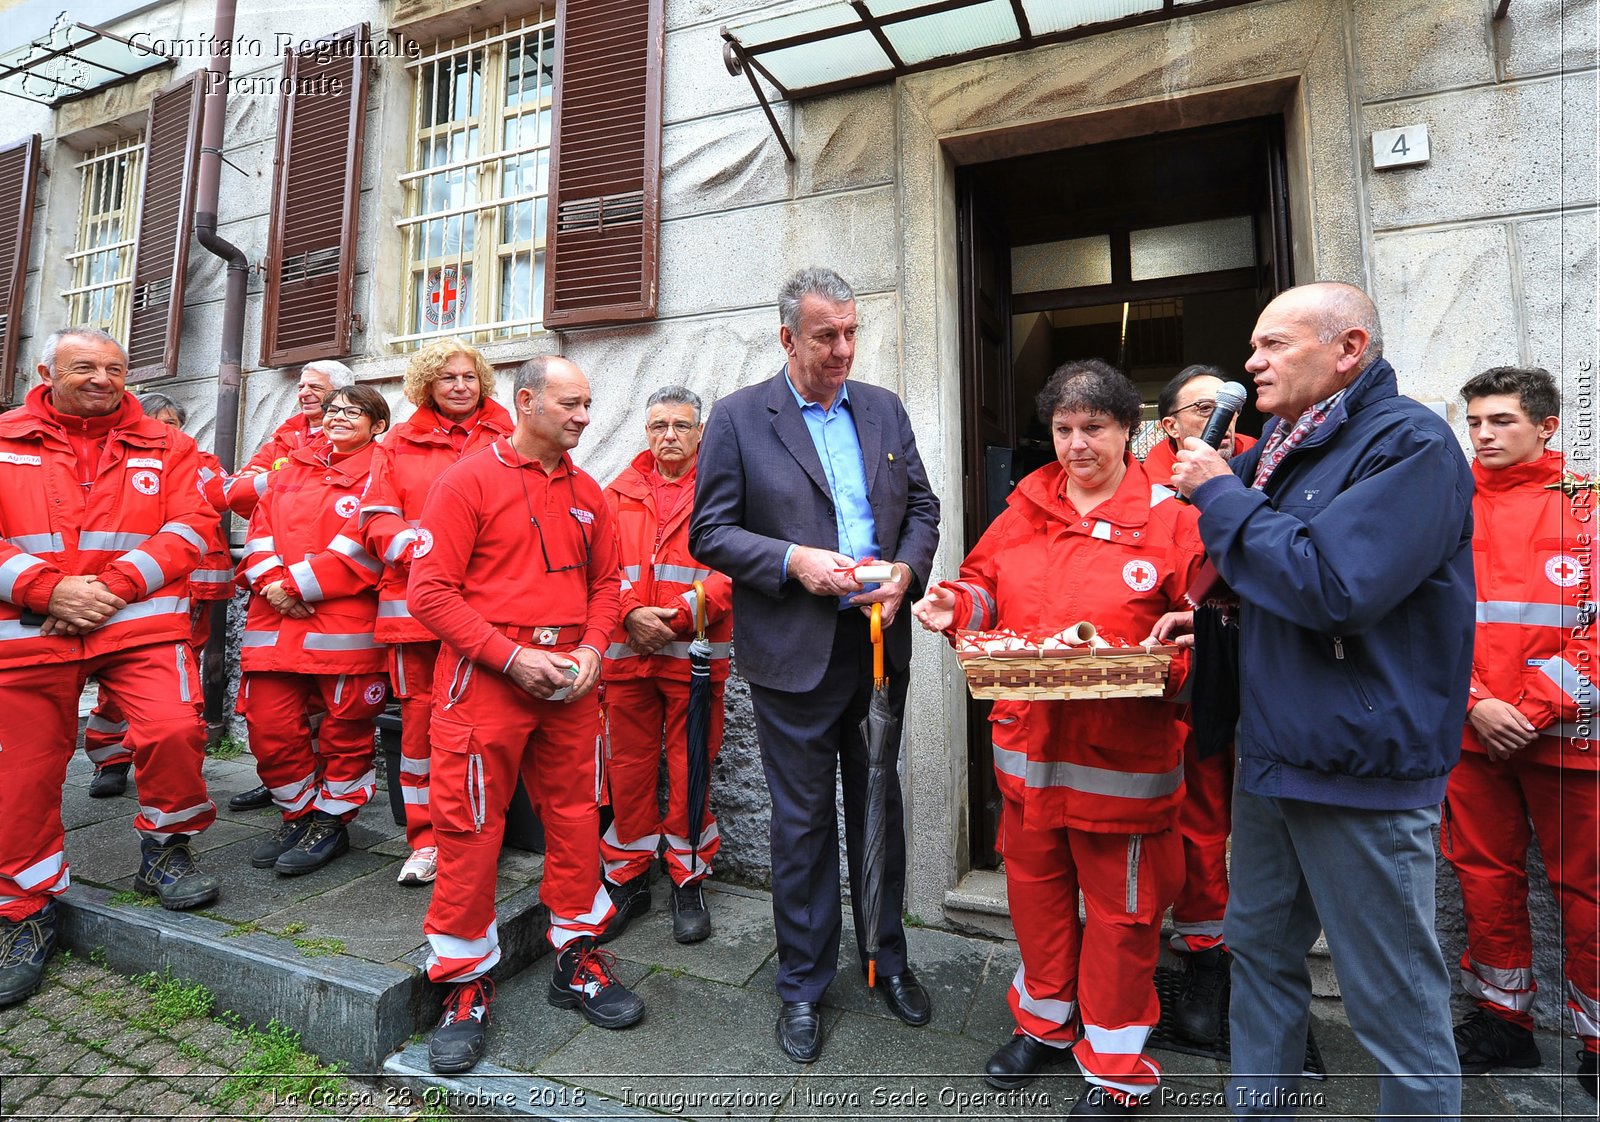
(166, 734)
(1485, 834)
(41, 703)
(345, 741)
(104, 733)
(1042, 884)
(491, 732)
(683, 866)
(1205, 818)
(1117, 1000)
(636, 717)
(415, 665)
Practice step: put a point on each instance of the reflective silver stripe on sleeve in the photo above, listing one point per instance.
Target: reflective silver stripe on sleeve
(621, 650)
(259, 482)
(104, 539)
(1090, 780)
(144, 609)
(212, 576)
(266, 565)
(306, 581)
(394, 609)
(16, 629)
(398, 546)
(260, 545)
(368, 512)
(681, 574)
(187, 533)
(14, 568)
(38, 543)
(352, 549)
(630, 572)
(149, 571)
(1570, 680)
(260, 639)
(1564, 616)
(362, 641)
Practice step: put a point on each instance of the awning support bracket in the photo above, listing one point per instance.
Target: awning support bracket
(737, 63)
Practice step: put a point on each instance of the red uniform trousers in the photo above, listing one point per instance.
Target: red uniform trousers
(103, 736)
(411, 670)
(638, 712)
(1485, 836)
(1101, 974)
(1205, 819)
(486, 732)
(338, 778)
(159, 689)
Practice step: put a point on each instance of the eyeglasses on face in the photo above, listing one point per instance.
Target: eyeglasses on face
(659, 428)
(349, 412)
(1201, 408)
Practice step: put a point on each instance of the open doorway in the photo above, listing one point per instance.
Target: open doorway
(1152, 253)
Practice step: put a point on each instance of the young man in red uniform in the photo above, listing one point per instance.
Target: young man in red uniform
(1528, 747)
(647, 672)
(516, 573)
(101, 523)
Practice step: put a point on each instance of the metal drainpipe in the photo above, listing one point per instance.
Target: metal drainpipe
(214, 666)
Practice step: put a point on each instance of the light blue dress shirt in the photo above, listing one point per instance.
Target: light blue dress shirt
(833, 434)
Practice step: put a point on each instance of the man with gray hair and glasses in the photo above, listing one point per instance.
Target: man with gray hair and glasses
(647, 674)
(802, 478)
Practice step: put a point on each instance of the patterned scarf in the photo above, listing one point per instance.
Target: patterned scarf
(1287, 437)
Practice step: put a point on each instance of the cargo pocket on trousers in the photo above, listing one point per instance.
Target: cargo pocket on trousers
(458, 788)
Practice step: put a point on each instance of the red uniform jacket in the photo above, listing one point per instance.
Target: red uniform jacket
(141, 526)
(1116, 765)
(213, 580)
(658, 572)
(414, 454)
(1159, 460)
(485, 566)
(1533, 556)
(304, 532)
(245, 490)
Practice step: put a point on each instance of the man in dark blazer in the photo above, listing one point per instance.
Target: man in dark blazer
(800, 478)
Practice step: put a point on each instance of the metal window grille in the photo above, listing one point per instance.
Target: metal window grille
(476, 195)
(108, 225)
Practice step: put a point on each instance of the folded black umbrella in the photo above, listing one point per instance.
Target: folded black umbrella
(698, 727)
(880, 729)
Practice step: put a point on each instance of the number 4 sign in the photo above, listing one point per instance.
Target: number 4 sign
(1398, 148)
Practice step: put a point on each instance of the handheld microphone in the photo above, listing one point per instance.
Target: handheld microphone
(1231, 397)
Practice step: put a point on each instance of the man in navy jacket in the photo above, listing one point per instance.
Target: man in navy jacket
(801, 477)
(1347, 534)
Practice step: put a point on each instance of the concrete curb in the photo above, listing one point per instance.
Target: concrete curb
(501, 1093)
(346, 1009)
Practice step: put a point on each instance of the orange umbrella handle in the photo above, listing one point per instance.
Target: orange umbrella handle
(699, 610)
(878, 678)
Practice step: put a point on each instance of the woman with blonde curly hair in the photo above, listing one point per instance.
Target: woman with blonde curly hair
(451, 385)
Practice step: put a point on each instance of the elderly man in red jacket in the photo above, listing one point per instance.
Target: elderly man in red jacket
(647, 672)
(101, 523)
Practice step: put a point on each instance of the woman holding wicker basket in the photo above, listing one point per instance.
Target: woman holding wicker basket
(1091, 788)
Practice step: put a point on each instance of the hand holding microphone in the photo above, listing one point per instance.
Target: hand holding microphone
(1199, 460)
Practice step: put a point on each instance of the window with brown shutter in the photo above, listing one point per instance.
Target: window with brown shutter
(166, 220)
(605, 182)
(19, 170)
(316, 190)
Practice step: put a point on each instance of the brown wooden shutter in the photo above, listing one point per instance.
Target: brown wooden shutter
(166, 223)
(19, 172)
(605, 178)
(316, 192)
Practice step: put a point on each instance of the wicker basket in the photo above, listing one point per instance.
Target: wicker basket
(1067, 675)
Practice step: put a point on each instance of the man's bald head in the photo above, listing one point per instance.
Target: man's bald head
(1334, 307)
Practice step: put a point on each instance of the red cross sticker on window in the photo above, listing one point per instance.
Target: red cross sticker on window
(446, 290)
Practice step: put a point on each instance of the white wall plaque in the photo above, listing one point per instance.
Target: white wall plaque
(1398, 148)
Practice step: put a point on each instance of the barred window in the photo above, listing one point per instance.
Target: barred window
(102, 262)
(474, 227)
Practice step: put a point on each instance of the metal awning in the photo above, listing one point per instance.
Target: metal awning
(74, 60)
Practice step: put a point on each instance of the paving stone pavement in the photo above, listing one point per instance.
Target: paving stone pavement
(96, 1044)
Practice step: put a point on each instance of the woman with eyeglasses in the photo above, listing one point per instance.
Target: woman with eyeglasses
(308, 639)
(450, 383)
(1185, 405)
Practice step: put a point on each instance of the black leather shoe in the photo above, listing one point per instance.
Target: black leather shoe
(109, 781)
(253, 799)
(1020, 1061)
(906, 997)
(800, 1030)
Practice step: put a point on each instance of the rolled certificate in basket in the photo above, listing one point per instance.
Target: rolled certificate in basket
(1079, 634)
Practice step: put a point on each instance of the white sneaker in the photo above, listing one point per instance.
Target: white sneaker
(421, 867)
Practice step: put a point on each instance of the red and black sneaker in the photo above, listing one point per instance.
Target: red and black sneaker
(457, 1044)
(585, 979)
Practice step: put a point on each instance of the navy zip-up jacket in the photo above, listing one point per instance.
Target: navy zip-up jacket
(1354, 569)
